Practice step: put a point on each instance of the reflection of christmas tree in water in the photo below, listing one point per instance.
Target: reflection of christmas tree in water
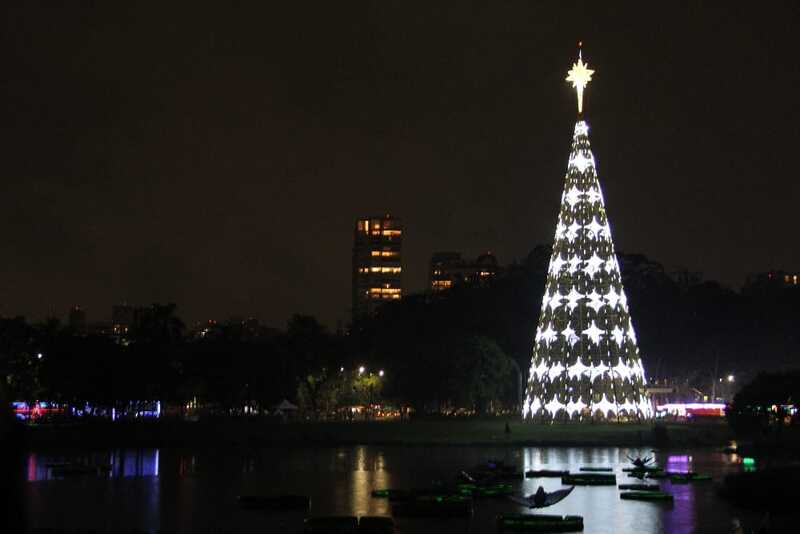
(585, 359)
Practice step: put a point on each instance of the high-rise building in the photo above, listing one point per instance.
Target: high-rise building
(77, 319)
(377, 263)
(770, 281)
(122, 318)
(449, 269)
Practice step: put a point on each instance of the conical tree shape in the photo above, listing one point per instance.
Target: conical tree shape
(586, 362)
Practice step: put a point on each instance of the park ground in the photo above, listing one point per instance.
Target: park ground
(420, 432)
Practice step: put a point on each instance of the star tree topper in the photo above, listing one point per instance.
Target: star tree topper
(579, 76)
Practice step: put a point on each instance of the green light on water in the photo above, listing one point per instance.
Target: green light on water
(748, 461)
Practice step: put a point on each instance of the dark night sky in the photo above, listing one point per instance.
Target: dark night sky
(218, 157)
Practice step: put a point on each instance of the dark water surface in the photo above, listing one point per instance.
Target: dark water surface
(195, 491)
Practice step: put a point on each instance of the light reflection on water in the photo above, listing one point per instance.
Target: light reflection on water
(195, 491)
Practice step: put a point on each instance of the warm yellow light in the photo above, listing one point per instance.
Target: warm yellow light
(579, 76)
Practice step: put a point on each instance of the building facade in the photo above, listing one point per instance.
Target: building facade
(449, 269)
(377, 263)
(770, 281)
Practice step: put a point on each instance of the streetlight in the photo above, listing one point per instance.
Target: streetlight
(361, 370)
(730, 378)
(380, 373)
(39, 356)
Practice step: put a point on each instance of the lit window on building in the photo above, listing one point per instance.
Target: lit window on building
(442, 284)
(385, 269)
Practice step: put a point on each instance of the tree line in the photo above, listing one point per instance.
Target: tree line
(465, 350)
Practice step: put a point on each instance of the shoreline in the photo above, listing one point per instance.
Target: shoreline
(418, 433)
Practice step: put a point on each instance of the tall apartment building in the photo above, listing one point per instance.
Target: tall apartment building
(377, 263)
(448, 269)
(122, 318)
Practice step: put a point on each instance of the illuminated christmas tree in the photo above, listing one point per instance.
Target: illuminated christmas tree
(586, 362)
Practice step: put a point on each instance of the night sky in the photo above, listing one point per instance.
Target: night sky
(218, 157)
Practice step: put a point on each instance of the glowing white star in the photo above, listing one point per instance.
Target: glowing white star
(578, 369)
(595, 301)
(618, 335)
(556, 264)
(612, 297)
(576, 407)
(574, 265)
(628, 407)
(581, 162)
(595, 228)
(606, 231)
(645, 407)
(593, 333)
(631, 333)
(593, 196)
(573, 196)
(572, 299)
(594, 264)
(555, 300)
(579, 76)
(553, 406)
(540, 370)
(569, 335)
(621, 370)
(572, 232)
(604, 406)
(555, 371)
(535, 405)
(598, 370)
(549, 335)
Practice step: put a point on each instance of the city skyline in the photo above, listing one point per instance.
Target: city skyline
(177, 158)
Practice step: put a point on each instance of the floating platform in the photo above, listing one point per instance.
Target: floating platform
(589, 479)
(388, 493)
(646, 496)
(545, 473)
(640, 487)
(480, 490)
(597, 469)
(685, 478)
(645, 469)
(540, 523)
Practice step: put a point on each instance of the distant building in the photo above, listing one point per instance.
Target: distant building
(377, 263)
(77, 320)
(449, 269)
(770, 280)
(123, 317)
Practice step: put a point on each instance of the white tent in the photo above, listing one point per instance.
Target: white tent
(285, 406)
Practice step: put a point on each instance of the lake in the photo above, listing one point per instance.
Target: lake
(173, 490)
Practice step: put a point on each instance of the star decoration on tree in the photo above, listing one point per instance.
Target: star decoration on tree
(579, 76)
